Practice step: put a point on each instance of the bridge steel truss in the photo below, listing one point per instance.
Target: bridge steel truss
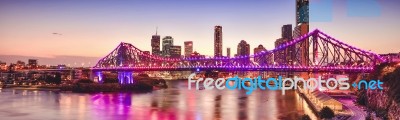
(312, 52)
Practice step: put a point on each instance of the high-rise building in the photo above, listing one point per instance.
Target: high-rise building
(175, 51)
(228, 52)
(302, 28)
(155, 44)
(218, 41)
(167, 42)
(280, 55)
(302, 13)
(303, 46)
(287, 34)
(258, 49)
(286, 56)
(188, 48)
(243, 49)
(32, 63)
(287, 31)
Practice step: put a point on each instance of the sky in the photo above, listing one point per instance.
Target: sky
(92, 28)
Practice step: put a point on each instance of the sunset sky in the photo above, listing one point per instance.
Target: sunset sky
(92, 28)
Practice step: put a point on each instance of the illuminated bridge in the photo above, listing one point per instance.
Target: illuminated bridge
(312, 52)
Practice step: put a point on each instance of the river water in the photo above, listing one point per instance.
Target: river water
(176, 102)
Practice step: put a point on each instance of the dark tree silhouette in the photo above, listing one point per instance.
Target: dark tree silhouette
(327, 113)
(305, 117)
(57, 78)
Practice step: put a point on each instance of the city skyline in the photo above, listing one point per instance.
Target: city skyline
(67, 40)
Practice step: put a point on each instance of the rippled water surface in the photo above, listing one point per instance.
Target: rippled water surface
(176, 102)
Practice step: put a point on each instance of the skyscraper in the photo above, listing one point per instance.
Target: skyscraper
(228, 52)
(167, 42)
(302, 13)
(302, 28)
(287, 31)
(280, 55)
(243, 49)
(175, 51)
(188, 48)
(155, 44)
(258, 49)
(217, 41)
(285, 56)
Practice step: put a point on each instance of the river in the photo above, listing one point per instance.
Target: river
(176, 102)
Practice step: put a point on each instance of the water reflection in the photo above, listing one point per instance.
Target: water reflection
(176, 102)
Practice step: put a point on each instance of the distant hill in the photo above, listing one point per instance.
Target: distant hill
(75, 61)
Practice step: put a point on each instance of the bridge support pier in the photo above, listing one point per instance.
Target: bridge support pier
(97, 76)
(125, 77)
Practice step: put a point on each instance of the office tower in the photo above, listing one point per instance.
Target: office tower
(175, 51)
(243, 48)
(258, 49)
(303, 46)
(286, 56)
(289, 52)
(302, 28)
(167, 42)
(287, 31)
(228, 52)
(188, 48)
(280, 55)
(155, 44)
(217, 41)
(302, 13)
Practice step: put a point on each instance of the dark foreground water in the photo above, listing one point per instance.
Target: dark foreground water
(176, 102)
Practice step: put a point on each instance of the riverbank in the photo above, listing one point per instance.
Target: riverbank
(317, 100)
(91, 87)
(308, 101)
(33, 87)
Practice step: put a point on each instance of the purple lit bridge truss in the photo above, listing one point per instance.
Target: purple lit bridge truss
(312, 52)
